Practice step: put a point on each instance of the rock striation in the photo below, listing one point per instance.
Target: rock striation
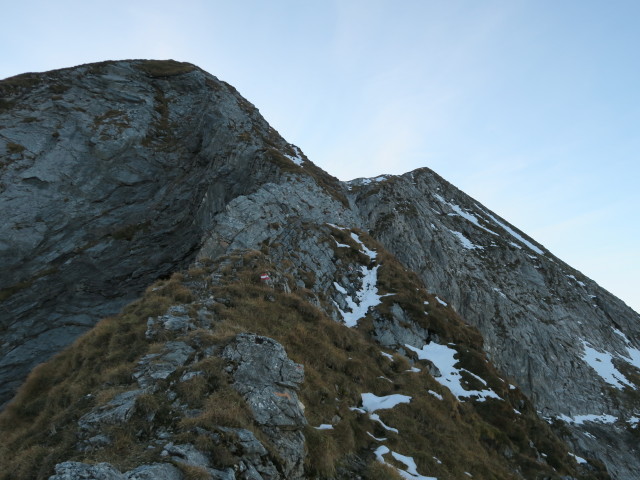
(301, 291)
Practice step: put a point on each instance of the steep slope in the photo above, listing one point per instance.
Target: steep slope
(116, 174)
(568, 343)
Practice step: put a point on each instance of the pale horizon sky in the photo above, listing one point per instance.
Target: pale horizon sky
(532, 107)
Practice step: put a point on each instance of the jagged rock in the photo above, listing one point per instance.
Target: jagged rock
(268, 380)
(78, 471)
(157, 471)
(189, 455)
(118, 410)
(157, 366)
(105, 471)
(399, 330)
(175, 320)
(255, 462)
(263, 373)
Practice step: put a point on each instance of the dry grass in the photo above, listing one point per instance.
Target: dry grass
(379, 471)
(340, 364)
(13, 148)
(192, 472)
(164, 68)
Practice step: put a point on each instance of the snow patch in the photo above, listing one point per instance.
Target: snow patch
(298, 160)
(376, 438)
(370, 253)
(466, 243)
(371, 402)
(443, 357)
(411, 469)
(365, 298)
(376, 418)
(340, 288)
(582, 284)
(379, 178)
(499, 292)
(436, 394)
(324, 426)
(341, 245)
(441, 302)
(581, 419)
(580, 460)
(602, 363)
(633, 354)
(464, 214)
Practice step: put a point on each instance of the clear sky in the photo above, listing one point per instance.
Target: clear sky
(530, 106)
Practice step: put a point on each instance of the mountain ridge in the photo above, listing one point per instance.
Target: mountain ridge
(222, 182)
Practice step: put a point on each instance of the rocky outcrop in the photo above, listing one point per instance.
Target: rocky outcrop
(268, 380)
(104, 471)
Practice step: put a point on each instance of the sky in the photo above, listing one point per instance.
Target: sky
(532, 107)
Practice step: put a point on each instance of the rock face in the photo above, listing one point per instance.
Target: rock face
(114, 175)
(268, 380)
(581, 342)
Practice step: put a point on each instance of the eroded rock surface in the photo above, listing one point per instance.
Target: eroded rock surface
(268, 380)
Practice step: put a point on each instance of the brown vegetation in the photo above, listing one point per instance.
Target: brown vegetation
(486, 439)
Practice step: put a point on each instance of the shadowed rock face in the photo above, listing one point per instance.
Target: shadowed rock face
(110, 175)
(113, 175)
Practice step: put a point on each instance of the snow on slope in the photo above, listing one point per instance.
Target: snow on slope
(443, 357)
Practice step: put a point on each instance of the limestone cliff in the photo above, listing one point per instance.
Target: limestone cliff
(292, 345)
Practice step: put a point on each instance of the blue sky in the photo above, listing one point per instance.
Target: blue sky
(532, 107)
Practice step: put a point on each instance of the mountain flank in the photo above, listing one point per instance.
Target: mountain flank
(208, 303)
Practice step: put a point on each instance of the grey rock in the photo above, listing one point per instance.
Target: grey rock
(188, 454)
(100, 440)
(78, 471)
(399, 330)
(157, 471)
(268, 380)
(118, 410)
(255, 462)
(154, 367)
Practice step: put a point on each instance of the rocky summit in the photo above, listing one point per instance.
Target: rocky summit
(185, 295)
